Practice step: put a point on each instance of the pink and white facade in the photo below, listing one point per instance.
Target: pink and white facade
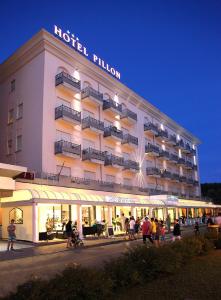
(76, 126)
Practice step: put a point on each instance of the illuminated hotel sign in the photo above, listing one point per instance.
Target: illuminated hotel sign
(74, 43)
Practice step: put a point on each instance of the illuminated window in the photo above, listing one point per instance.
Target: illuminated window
(11, 116)
(17, 215)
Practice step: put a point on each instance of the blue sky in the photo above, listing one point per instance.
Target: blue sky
(167, 51)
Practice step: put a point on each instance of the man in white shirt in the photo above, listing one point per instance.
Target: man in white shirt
(132, 228)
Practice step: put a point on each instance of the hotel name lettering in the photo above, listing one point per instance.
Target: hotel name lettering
(74, 43)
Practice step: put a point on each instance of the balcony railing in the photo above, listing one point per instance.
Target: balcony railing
(175, 177)
(67, 112)
(172, 139)
(165, 154)
(163, 134)
(112, 105)
(195, 167)
(151, 127)
(189, 181)
(174, 158)
(90, 122)
(90, 92)
(183, 178)
(64, 78)
(189, 164)
(126, 113)
(131, 165)
(113, 160)
(166, 174)
(180, 144)
(187, 148)
(193, 151)
(196, 182)
(152, 149)
(130, 139)
(153, 172)
(93, 154)
(114, 132)
(67, 147)
(181, 161)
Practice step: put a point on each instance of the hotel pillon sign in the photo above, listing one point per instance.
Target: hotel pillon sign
(74, 43)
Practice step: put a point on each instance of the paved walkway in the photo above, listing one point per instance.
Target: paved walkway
(23, 264)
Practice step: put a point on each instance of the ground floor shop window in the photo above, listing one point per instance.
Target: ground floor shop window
(16, 214)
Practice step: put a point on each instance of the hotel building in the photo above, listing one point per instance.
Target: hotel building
(96, 148)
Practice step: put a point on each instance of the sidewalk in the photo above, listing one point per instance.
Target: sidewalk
(27, 249)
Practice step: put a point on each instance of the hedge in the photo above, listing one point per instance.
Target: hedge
(139, 265)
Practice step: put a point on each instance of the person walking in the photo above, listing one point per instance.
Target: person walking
(69, 232)
(146, 230)
(132, 228)
(168, 223)
(162, 232)
(11, 235)
(153, 233)
(176, 230)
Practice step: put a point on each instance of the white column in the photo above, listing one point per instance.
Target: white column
(165, 213)
(133, 212)
(98, 213)
(177, 213)
(110, 216)
(73, 213)
(35, 233)
(79, 219)
(187, 215)
(151, 212)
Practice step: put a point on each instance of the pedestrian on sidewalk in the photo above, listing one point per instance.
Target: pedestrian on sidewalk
(69, 232)
(146, 230)
(132, 229)
(162, 232)
(11, 235)
(176, 230)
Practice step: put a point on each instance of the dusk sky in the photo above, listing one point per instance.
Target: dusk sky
(167, 51)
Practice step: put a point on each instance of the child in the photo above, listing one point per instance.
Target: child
(196, 229)
(162, 232)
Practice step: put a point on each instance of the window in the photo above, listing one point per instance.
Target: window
(19, 143)
(89, 175)
(12, 85)
(11, 116)
(17, 215)
(110, 178)
(20, 111)
(9, 146)
(62, 170)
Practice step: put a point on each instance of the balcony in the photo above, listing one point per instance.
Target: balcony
(128, 116)
(181, 161)
(174, 158)
(195, 168)
(172, 139)
(189, 181)
(189, 165)
(151, 128)
(64, 148)
(166, 174)
(175, 177)
(180, 144)
(183, 179)
(113, 133)
(91, 96)
(195, 182)
(67, 115)
(93, 155)
(112, 107)
(152, 150)
(187, 148)
(114, 161)
(92, 125)
(131, 165)
(67, 82)
(164, 155)
(193, 151)
(130, 140)
(162, 135)
(153, 172)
